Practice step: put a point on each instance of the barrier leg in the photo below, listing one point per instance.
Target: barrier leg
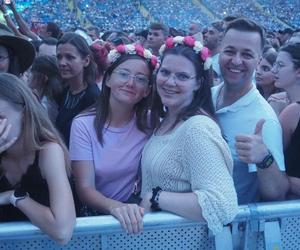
(223, 240)
(272, 236)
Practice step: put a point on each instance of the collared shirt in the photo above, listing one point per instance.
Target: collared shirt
(241, 117)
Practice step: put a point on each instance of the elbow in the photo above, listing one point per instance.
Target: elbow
(275, 194)
(63, 235)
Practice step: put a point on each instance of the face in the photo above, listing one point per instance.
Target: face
(263, 74)
(211, 38)
(4, 59)
(193, 29)
(129, 82)
(47, 50)
(43, 31)
(70, 62)
(13, 114)
(155, 39)
(284, 70)
(92, 34)
(176, 82)
(239, 56)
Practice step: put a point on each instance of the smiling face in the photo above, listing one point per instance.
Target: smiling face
(239, 56)
(70, 62)
(129, 82)
(285, 72)
(176, 82)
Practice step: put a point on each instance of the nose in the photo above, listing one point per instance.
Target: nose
(236, 59)
(130, 81)
(61, 61)
(171, 80)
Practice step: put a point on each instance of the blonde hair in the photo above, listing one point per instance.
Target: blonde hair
(37, 128)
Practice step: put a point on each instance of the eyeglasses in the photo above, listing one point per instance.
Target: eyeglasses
(125, 76)
(2, 57)
(177, 76)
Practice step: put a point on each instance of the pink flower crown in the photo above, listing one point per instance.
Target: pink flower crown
(189, 41)
(132, 49)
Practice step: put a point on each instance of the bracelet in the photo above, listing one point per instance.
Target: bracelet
(155, 199)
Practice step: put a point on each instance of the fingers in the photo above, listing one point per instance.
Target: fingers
(131, 217)
(4, 132)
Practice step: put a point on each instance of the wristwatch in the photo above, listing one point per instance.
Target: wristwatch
(266, 162)
(16, 196)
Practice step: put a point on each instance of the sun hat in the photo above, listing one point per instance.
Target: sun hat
(21, 48)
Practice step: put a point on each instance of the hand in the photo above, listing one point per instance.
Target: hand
(4, 131)
(130, 216)
(279, 101)
(145, 203)
(4, 197)
(251, 148)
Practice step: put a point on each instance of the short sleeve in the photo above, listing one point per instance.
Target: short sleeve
(209, 163)
(80, 147)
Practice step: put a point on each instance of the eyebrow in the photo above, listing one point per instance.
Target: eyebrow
(138, 73)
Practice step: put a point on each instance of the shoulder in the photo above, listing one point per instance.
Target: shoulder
(93, 89)
(84, 119)
(290, 115)
(200, 124)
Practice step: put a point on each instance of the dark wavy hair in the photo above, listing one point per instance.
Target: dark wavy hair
(146, 121)
(293, 49)
(89, 74)
(202, 100)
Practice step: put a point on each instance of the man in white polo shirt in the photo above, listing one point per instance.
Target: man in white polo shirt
(249, 124)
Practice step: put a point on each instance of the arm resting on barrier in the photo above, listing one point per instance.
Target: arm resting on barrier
(59, 219)
(129, 215)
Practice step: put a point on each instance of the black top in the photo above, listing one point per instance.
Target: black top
(292, 153)
(31, 182)
(71, 105)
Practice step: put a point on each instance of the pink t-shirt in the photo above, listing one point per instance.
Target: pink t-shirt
(116, 163)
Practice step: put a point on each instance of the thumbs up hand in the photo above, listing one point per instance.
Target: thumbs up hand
(251, 148)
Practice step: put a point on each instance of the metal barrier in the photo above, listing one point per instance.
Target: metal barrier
(273, 225)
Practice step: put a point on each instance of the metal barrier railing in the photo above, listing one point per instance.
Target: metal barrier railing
(273, 225)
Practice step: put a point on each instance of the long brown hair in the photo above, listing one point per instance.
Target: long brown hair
(37, 128)
(145, 120)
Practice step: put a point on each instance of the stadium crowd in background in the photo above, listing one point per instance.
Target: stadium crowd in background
(186, 114)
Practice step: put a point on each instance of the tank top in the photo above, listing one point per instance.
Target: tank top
(292, 153)
(31, 182)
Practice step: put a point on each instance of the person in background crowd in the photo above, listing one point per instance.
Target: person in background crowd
(194, 28)
(34, 164)
(287, 74)
(48, 47)
(248, 122)
(78, 71)
(264, 78)
(93, 32)
(157, 34)
(16, 54)
(107, 140)
(187, 165)
(141, 37)
(46, 83)
(283, 78)
(212, 39)
(100, 53)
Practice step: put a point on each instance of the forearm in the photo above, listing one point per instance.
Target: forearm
(294, 185)
(13, 27)
(94, 199)
(58, 225)
(273, 183)
(24, 26)
(183, 204)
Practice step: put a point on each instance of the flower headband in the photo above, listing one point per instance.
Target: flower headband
(132, 49)
(189, 41)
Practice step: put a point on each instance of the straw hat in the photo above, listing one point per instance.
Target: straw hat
(20, 47)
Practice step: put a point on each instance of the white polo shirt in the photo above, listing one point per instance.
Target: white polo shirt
(241, 118)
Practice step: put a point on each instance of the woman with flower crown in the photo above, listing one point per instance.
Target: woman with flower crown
(107, 140)
(186, 164)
